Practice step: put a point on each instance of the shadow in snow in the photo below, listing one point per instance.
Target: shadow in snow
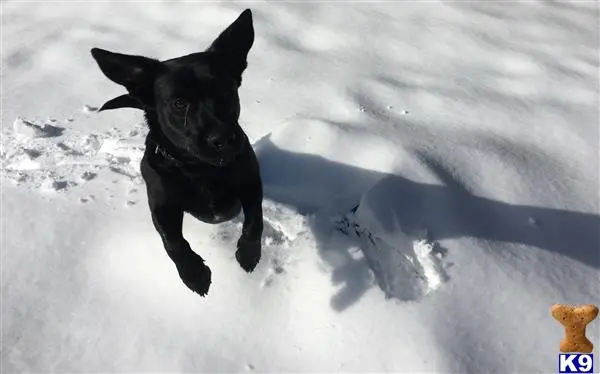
(314, 185)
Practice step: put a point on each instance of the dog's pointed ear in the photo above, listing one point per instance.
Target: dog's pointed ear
(136, 73)
(123, 101)
(233, 45)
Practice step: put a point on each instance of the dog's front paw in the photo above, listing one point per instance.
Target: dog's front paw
(248, 253)
(194, 273)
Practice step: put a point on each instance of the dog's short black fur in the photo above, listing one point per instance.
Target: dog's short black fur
(197, 159)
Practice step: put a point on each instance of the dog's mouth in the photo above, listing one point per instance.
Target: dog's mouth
(216, 157)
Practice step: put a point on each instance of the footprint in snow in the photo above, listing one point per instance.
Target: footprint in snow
(50, 156)
(406, 267)
(31, 129)
(88, 175)
(89, 109)
(281, 227)
(274, 243)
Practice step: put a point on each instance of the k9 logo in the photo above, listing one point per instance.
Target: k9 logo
(575, 363)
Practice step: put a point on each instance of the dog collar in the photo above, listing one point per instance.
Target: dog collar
(160, 150)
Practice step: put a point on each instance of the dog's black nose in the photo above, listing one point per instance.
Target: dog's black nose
(221, 141)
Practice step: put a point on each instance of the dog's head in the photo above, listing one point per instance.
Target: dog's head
(194, 97)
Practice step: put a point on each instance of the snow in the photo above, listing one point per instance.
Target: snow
(431, 181)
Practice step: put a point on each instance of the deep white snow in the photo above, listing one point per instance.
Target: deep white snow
(431, 180)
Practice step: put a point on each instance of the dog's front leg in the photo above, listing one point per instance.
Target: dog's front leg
(168, 221)
(249, 245)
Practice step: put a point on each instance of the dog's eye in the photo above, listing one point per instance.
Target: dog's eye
(179, 104)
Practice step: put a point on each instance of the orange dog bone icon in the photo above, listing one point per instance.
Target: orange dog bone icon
(575, 319)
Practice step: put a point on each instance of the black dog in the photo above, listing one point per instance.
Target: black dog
(198, 159)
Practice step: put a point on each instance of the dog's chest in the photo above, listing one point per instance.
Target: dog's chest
(205, 190)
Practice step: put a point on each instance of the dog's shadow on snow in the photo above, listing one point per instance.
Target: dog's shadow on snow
(322, 188)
